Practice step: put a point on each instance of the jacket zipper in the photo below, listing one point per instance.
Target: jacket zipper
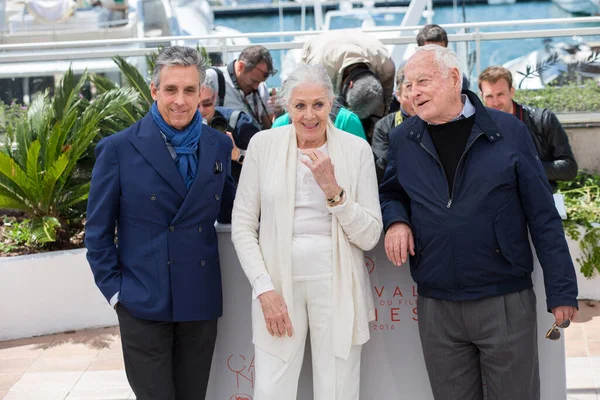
(449, 204)
(458, 166)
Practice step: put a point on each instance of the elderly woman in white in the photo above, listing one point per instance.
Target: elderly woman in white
(306, 263)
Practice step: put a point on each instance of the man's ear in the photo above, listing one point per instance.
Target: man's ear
(456, 77)
(240, 66)
(153, 91)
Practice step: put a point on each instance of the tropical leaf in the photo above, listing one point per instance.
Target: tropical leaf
(9, 189)
(40, 113)
(13, 173)
(51, 176)
(67, 93)
(54, 143)
(103, 84)
(46, 174)
(75, 195)
(22, 137)
(10, 203)
(135, 79)
(43, 230)
(32, 170)
(151, 59)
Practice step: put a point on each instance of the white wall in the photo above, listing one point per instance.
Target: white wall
(589, 289)
(48, 293)
(392, 361)
(54, 292)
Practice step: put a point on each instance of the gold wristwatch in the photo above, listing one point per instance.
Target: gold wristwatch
(336, 199)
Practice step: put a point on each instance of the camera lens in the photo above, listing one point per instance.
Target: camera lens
(219, 123)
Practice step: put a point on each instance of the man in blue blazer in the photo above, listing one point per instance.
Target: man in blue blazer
(162, 183)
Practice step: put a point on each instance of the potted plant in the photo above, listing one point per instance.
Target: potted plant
(43, 178)
(582, 202)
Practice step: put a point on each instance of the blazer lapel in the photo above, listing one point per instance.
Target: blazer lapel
(207, 154)
(151, 145)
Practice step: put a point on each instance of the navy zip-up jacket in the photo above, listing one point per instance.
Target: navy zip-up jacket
(476, 244)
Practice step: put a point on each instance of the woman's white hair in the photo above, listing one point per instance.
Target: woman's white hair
(304, 73)
(443, 57)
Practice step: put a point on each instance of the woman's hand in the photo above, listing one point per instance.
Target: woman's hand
(276, 314)
(322, 169)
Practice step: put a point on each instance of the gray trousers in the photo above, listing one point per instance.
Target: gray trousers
(495, 337)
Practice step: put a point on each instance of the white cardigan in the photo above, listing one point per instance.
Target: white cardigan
(266, 191)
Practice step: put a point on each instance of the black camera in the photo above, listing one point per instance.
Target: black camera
(219, 123)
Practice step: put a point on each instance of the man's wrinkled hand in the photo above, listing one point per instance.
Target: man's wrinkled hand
(276, 314)
(398, 242)
(563, 313)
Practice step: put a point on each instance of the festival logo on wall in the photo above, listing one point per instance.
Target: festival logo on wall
(395, 302)
(243, 373)
(241, 396)
(369, 264)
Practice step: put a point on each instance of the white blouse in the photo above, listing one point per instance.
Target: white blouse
(311, 240)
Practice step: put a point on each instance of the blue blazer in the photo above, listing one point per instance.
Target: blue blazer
(166, 263)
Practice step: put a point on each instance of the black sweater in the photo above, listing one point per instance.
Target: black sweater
(450, 140)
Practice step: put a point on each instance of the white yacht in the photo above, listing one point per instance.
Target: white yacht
(556, 59)
(196, 18)
(49, 26)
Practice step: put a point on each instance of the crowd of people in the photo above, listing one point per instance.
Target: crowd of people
(309, 179)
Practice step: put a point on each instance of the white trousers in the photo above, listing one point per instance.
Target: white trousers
(333, 377)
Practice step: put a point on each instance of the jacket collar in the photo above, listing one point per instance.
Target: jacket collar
(151, 145)
(518, 110)
(483, 123)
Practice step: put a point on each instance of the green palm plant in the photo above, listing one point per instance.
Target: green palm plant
(37, 170)
(131, 112)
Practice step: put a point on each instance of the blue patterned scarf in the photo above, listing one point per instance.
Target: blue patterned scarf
(184, 142)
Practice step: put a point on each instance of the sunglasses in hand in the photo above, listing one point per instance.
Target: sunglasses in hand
(553, 333)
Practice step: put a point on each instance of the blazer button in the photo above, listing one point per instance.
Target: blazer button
(497, 250)
(168, 263)
(217, 197)
(202, 263)
(199, 229)
(171, 228)
(152, 197)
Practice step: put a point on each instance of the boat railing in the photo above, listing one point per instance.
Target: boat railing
(475, 32)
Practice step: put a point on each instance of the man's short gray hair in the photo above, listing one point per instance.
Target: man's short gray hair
(365, 97)
(178, 56)
(211, 83)
(303, 74)
(443, 57)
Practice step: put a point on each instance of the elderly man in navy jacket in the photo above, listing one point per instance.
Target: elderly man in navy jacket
(162, 183)
(462, 186)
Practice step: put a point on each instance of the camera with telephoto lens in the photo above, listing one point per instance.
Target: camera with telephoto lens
(219, 123)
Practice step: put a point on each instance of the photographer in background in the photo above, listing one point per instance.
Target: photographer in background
(234, 123)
